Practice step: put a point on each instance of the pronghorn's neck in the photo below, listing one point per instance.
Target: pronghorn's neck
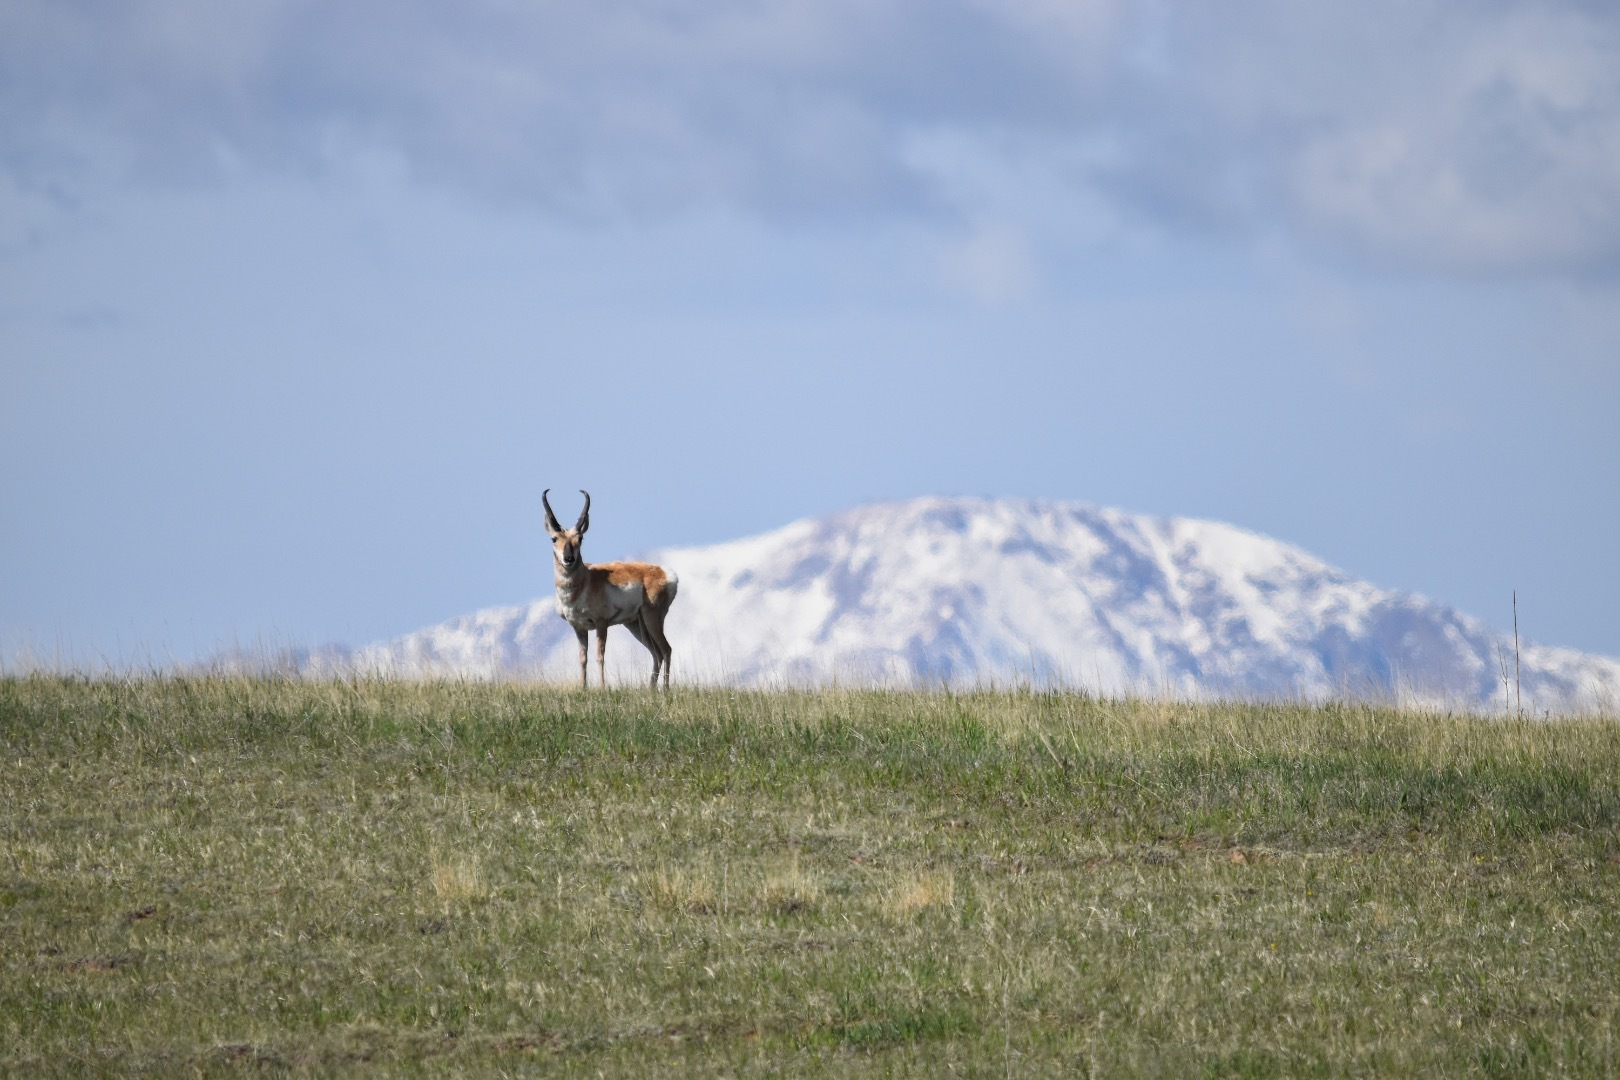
(570, 581)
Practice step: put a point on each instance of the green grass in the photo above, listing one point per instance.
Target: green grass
(225, 876)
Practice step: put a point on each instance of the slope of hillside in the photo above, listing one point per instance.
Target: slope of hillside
(958, 591)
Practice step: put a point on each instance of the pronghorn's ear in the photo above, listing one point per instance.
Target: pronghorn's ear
(552, 528)
(585, 514)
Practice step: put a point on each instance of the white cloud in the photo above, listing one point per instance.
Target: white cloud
(1508, 155)
(994, 264)
(1450, 134)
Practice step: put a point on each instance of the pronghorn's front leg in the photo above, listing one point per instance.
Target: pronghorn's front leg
(584, 653)
(601, 654)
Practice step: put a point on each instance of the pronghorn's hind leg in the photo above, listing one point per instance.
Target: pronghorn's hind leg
(639, 630)
(652, 623)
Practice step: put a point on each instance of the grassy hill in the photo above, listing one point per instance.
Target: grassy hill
(266, 876)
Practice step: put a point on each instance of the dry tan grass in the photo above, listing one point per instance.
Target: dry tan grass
(920, 891)
(789, 890)
(457, 879)
(675, 891)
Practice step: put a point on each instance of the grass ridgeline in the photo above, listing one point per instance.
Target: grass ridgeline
(210, 874)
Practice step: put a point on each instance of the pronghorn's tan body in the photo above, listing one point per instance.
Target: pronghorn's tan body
(634, 595)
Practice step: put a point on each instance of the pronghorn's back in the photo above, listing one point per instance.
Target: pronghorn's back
(659, 584)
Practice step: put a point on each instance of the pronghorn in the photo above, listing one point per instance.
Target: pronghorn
(635, 594)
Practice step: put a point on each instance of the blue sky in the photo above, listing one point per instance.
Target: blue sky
(302, 304)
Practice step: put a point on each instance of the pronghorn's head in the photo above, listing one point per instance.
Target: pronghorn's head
(565, 542)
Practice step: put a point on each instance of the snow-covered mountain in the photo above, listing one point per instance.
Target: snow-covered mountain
(958, 591)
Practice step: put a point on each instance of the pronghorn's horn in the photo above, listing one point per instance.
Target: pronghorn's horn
(551, 519)
(585, 514)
